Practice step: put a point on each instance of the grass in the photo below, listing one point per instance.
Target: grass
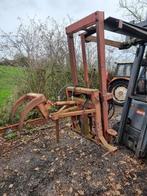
(9, 77)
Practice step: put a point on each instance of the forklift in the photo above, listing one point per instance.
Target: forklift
(133, 125)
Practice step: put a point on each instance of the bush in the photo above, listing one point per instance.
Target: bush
(42, 48)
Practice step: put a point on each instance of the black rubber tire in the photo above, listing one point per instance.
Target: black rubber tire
(113, 86)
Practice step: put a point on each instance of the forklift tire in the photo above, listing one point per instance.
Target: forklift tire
(119, 90)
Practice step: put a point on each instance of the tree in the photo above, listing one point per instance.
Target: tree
(40, 42)
(134, 9)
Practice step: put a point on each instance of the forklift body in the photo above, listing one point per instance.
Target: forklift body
(133, 125)
(135, 136)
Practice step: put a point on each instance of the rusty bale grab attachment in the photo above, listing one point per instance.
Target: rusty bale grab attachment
(87, 108)
(85, 112)
(36, 101)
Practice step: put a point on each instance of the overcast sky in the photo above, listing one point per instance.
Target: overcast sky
(12, 9)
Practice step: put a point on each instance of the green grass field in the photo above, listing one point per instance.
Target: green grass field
(9, 77)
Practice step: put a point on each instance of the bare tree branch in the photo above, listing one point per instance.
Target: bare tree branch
(134, 9)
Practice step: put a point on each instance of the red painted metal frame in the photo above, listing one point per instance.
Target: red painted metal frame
(102, 69)
(72, 59)
(82, 24)
(97, 18)
(86, 78)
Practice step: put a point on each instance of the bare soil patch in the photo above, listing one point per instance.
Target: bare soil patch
(39, 166)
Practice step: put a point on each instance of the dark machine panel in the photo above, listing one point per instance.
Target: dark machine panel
(137, 114)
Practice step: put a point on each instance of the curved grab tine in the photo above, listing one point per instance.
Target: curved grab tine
(17, 104)
(32, 104)
(43, 110)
